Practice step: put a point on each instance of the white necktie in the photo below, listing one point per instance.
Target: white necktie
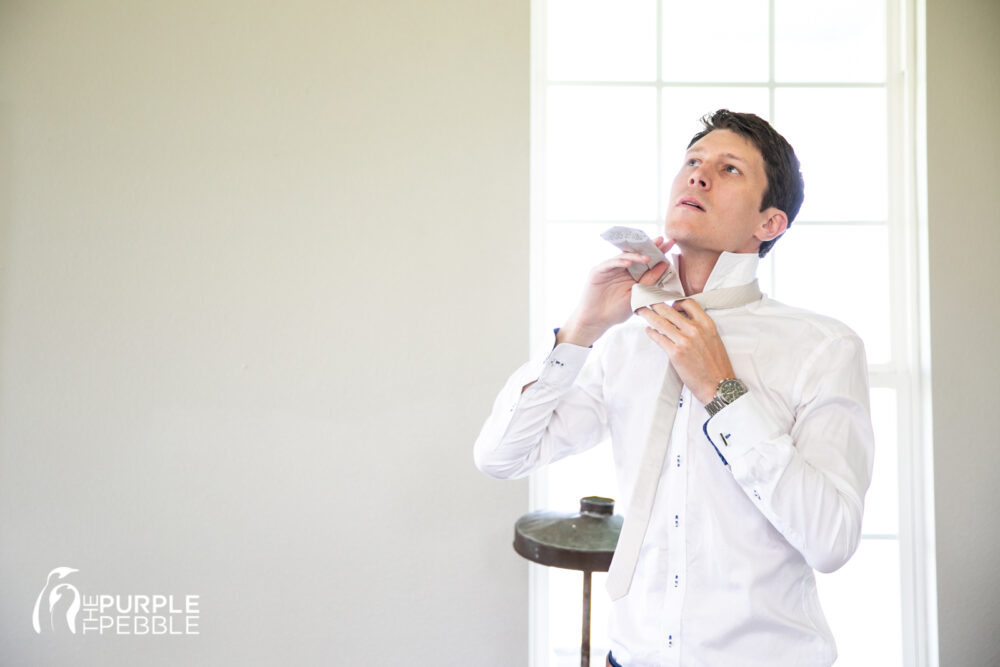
(648, 478)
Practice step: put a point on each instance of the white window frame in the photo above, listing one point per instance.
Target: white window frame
(908, 370)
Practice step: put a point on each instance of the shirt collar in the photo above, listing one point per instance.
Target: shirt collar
(733, 269)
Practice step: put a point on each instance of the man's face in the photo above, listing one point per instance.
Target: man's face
(715, 198)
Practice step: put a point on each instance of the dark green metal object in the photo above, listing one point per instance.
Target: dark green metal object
(584, 541)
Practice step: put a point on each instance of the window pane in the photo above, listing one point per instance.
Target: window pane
(589, 474)
(600, 153)
(765, 273)
(565, 614)
(726, 42)
(602, 41)
(862, 604)
(818, 267)
(882, 501)
(818, 40)
(840, 137)
(682, 110)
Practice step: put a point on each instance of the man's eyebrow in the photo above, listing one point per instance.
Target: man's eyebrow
(729, 156)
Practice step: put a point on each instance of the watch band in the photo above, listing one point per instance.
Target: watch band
(727, 391)
(714, 406)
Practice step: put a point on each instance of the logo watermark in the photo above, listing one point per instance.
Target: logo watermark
(60, 608)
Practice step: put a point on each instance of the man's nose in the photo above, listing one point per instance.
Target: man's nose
(698, 179)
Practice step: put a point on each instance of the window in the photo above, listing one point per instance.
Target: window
(618, 88)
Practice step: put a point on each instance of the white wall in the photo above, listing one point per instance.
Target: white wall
(262, 268)
(963, 146)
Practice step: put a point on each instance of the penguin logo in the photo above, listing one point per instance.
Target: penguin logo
(62, 595)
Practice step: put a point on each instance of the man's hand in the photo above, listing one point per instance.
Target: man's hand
(689, 337)
(606, 299)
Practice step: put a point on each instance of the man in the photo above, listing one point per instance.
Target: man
(768, 448)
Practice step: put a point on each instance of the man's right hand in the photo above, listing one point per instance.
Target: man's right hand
(606, 298)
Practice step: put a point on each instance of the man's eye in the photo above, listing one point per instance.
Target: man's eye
(731, 169)
(692, 162)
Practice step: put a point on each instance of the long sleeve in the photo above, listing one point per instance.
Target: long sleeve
(562, 413)
(810, 482)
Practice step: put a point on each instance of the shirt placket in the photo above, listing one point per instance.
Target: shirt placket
(676, 527)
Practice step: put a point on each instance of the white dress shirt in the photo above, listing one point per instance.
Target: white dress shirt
(749, 502)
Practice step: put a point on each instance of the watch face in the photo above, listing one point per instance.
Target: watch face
(731, 389)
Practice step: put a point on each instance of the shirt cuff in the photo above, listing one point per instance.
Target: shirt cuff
(562, 365)
(739, 426)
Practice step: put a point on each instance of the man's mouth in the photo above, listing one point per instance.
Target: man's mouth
(690, 202)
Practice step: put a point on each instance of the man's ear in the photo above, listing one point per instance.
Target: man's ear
(774, 225)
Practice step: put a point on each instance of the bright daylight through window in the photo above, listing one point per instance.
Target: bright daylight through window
(618, 91)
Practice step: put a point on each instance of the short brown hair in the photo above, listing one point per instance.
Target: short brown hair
(785, 187)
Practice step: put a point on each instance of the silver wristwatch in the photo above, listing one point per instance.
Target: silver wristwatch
(728, 391)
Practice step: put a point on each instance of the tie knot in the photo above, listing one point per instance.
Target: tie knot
(644, 296)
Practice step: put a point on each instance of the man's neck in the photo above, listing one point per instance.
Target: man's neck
(694, 268)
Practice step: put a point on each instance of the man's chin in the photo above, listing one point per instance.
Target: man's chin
(693, 248)
(676, 232)
(682, 239)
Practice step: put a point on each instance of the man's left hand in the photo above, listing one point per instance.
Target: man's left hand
(689, 337)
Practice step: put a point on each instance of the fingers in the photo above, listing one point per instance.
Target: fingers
(667, 321)
(671, 313)
(659, 339)
(622, 261)
(650, 277)
(657, 325)
(684, 318)
(635, 257)
(663, 244)
(630, 258)
(694, 311)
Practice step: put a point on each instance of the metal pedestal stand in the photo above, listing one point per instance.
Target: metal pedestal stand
(584, 541)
